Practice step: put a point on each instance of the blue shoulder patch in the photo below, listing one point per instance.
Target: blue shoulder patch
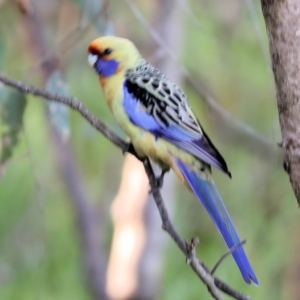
(175, 134)
(136, 112)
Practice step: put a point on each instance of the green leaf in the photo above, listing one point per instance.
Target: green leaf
(59, 113)
(12, 106)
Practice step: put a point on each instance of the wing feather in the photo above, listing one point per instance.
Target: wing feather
(158, 105)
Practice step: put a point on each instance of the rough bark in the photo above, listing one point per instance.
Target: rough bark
(282, 19)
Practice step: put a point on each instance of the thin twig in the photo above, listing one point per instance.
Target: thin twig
(227, 253)
(201, 270)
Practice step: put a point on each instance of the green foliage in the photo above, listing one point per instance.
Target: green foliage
(12, 106)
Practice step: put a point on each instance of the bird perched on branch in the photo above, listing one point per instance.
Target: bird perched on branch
(155, 114)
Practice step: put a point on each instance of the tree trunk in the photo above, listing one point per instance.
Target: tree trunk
(282, 19)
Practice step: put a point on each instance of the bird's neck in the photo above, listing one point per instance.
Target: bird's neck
(111, 86)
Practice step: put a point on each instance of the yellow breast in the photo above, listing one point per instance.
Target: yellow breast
(112, 87)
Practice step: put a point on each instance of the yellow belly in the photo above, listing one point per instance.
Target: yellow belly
(158, 149)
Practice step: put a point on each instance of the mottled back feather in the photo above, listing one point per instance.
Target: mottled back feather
(166, 102)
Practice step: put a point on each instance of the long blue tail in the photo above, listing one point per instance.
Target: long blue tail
(209, 196)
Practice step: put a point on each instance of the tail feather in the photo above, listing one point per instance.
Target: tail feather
(209, 196)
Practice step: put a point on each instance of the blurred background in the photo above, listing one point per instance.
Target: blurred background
(76, 221)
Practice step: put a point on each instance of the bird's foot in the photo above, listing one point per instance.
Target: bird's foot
(130, 149)
(159, 181)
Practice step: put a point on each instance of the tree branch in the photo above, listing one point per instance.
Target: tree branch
(213, 284)
(88, 220)
(283, 26)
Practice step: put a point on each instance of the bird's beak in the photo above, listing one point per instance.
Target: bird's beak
(92, 58)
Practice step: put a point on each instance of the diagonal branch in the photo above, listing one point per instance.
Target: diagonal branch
(213, 284)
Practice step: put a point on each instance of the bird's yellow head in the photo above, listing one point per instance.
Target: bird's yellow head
(111, 55)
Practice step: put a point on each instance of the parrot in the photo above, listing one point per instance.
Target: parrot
(158, 119)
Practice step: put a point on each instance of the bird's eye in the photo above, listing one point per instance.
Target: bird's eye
(107, 51)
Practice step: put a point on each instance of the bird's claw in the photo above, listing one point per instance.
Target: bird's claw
(130, 149)
(159, 181)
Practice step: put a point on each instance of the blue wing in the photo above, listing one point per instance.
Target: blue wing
(169, 117)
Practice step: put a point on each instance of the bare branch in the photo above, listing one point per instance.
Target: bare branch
(88, 220)
(200, 269)
(193, 261)
(226, 254)
(283, 26)
(69, 101)
(252, 139)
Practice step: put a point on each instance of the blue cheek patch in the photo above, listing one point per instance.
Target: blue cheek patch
(106, 68)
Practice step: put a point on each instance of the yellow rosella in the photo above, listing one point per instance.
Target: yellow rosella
(155, 114)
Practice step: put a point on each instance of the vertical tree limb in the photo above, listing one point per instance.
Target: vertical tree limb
(89, 229)
(282, 19)
(87, 220)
